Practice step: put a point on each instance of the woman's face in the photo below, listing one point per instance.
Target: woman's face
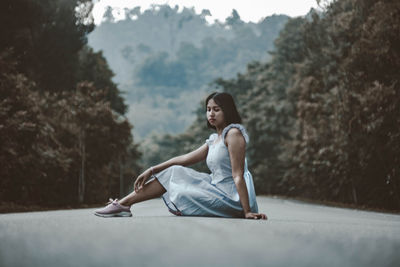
(215, 115)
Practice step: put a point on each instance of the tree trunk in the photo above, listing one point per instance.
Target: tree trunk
(354, 192)
(121, 178)
(81, 184)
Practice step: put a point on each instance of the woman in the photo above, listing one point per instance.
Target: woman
(227, 192)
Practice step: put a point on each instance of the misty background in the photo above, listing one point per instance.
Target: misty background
(165, 59)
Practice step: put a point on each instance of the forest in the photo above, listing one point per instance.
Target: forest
(322, 110)
(64, 137)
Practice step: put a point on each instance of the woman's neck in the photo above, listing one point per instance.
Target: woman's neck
(220, 129)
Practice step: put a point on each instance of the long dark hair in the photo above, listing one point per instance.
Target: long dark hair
(227, 104)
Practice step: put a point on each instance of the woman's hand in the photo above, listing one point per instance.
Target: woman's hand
(251, 215)
(141, 179)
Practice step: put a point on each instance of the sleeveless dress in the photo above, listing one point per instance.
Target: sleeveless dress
(193, 193)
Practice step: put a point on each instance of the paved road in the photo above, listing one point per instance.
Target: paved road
(296, 234)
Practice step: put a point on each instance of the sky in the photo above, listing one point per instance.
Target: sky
(249, 10)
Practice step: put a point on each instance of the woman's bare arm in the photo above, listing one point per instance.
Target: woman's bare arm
(190, 158)
(237, 149)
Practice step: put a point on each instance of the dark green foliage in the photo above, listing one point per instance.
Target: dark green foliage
(46, 38)
(63, 137)
(93, 67)
(42, 139)
(348, 106)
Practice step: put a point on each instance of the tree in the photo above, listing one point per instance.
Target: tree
(63, 132)
(233, 19)
(93, 67)
(347, 108)
(46, 37)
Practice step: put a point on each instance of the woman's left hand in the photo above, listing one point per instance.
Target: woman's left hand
(251, 215)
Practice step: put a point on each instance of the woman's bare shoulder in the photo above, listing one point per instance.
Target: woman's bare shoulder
(236, 131)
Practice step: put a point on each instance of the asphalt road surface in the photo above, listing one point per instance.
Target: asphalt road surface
(295, 234)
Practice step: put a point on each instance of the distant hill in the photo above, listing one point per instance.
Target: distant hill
(165, 59)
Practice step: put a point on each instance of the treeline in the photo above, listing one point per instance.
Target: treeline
(324, 113)
(165, 57)
(63, 135)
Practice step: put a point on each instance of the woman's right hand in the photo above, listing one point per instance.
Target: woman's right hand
(251, 215)
(141, 179)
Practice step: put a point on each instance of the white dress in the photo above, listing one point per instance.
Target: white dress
(193, 193)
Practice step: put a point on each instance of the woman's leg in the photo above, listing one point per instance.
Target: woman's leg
(150, 190)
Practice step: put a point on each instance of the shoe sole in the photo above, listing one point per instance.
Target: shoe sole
(119, 214)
